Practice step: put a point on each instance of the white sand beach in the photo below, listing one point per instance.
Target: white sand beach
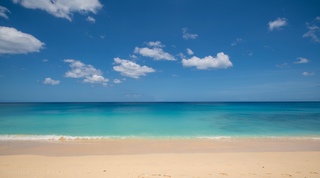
(161, 158)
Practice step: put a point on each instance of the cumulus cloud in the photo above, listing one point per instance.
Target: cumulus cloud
(88, 72)
(132, 56)
(301, 60)
(313, 30)
(62, 8)
(154, 51)
(80, 70)
(116, 81)
(189, 51)
(308, 73)
(3, 11)
(13, 41)
(91, 19)
(50, 81)
(181, 55)
(277, 24)
(131, 69)
(186, 35)
(221, 61)
(95, 79)
(155, 44)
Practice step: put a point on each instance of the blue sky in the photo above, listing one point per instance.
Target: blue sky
(168, 50)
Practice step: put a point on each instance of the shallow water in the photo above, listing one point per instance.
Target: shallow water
(159, 120)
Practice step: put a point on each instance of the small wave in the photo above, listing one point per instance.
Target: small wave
(214, 137)
(28, 137)
(71, 138)
(54, 137)
(67, 137)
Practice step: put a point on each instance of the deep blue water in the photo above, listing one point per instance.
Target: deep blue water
(230, 119)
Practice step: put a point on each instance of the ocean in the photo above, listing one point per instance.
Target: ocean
(52, 121)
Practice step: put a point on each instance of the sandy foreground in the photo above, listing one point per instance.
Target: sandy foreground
(134, 158)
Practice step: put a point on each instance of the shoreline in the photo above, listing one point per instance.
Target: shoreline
(84, 147)
(26, 137)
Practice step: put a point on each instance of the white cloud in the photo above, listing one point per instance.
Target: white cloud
(45, 60)
(13, 41)
(50, 81)
(181, 55)
(95, 79)
(91, 19)
(62, 8)
(308, 73)
(131, 69)
(313, 30)
(3, 11)
(301, 60)
(208, 62)
(80, 70)
(189, 51)
(88, 72)
(277, 24)
(155, 44)
(156, 52)
(132, 56)
(186, 35)
(116, 81)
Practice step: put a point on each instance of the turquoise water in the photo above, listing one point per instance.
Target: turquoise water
(160, 120)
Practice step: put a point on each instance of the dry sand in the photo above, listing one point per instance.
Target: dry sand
(161, 158)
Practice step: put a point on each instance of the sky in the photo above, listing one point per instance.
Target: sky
(159, 50)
